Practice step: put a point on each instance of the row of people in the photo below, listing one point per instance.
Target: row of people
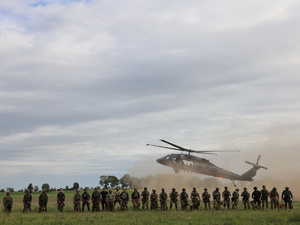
(110, 199)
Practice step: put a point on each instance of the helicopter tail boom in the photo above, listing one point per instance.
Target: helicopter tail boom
(252, 172)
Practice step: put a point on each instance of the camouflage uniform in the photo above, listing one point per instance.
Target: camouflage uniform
(85, 198)
(173, 198)
(135, 196)
(217, 198)
(264, 197)
(124, 199)
(287, 196)
(96, 197)
(27, 199)
(235, 198)
(43, 200)
(163, 196)
(117, 197)
(76, 201)
(245, 195)
(184, 197)
(195, 199)
(274, 196)
(145, 199)
(110, 197)
(7, 202)
(60, 199)
(226, 196)
(206, 198)
(154, 200)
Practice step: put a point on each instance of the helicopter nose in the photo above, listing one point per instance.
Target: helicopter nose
(160, 160)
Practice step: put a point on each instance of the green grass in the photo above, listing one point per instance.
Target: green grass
(239, 216)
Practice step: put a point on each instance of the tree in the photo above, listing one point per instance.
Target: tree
(104, 181)
(75, 186)
(114, 181)
(67, 188)
(30, 188)
(46, 187)
(10, 189)
(36, 188)
(126, 181)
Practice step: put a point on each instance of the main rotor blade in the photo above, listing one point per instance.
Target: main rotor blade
(213, 151)
(164, 147)
(177, 146)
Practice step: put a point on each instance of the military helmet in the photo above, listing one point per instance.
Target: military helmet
(245, 188)
(135, 189)
(145, 188)
(173, 189)
(110, 190)
(205, 189)
(194, 188)
(183, 189)
(226, 187)
(8, 192)
(255, 188)
(237, 189)
(274, 188)
(217, 188)
(264, 186)
(153, 190)
(287, 188)
(162, 189)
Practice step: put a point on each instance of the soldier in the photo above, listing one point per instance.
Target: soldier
(154, 200)
(85, 198)
(184, 199)
(135, 196)
(124, 199)
(60, 200)
(206, 198)
(287, 196)
(117, 197)
(110, 197)
(7, 202)
(195, 199)
(76, 201)
(163, 196)
(217, 198)
(173, 198)
(27, 199)
(103, 199)
(245, 195)
(256, 196)
(145, 198)
(264, 197)
(43, 200)
(274, 196)
(96, 198)
(235, 198)
(226, 196)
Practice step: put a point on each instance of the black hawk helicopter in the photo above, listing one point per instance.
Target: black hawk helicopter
(201, 165)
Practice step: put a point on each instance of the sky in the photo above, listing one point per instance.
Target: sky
(85, 85)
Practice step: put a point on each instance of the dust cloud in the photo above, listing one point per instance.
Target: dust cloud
(279, 146)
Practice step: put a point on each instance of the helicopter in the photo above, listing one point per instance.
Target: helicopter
(201, 165)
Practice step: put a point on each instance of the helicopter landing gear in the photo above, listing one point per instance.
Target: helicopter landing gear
(233, 183)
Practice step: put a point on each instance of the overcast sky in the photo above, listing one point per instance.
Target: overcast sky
(85, 85)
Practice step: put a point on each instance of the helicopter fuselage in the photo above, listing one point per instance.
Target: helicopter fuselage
(190, 163)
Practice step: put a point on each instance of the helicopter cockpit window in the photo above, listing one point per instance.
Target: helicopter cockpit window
(167, 157)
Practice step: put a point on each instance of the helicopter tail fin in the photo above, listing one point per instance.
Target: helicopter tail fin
(252, 172)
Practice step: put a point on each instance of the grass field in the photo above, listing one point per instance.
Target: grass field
(239, 216)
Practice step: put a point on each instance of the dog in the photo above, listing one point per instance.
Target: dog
(255, 205)
(280, 205)
(219, 203)
(123, 206)
(195, 205)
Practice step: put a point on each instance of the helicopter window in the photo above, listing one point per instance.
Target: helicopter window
(167, 157)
